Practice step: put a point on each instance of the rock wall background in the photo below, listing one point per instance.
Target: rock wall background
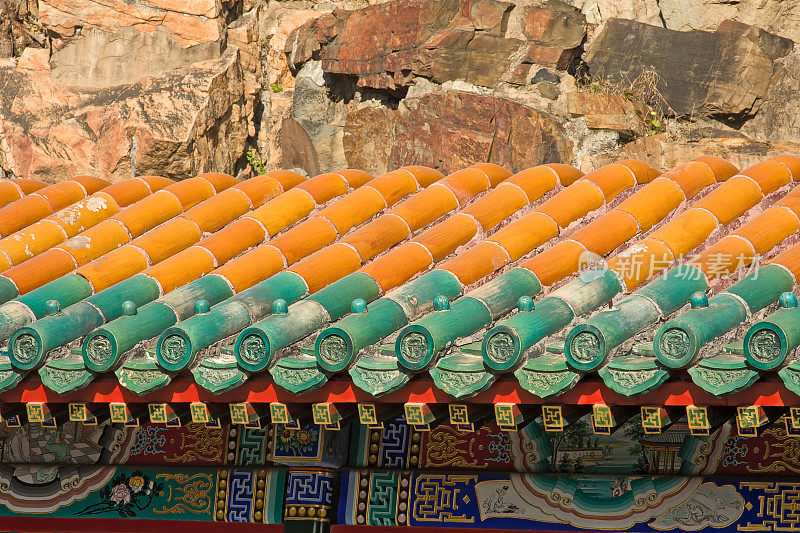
(116, 88)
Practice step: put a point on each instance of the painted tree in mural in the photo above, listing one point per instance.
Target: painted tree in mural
(575, 436)
(634, 432)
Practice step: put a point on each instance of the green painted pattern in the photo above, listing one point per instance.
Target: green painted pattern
(723, 374)
(633, 375)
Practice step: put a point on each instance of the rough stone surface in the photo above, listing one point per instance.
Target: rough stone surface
(387, 45)
(19, 28)
(544, 75)
(321, 117)
(324, 84)
(177, 124)
(244, 35)
(453, 129)
(297, 148)
(779, 116)
(725, 73)
(279, 23)
(671, 148)
(366, 132)
(597, 11)
(100, 59)
(191, 23)
(781, 17)
(548, 90)
(608, 112)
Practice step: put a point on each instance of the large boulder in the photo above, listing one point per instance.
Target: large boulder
(368, 136)
(387, 45)
(724, 74)
(554, 33)
(450, 130)
(176, 124)
(780, 17)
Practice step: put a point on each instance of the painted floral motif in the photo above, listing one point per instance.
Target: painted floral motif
(120, 495)
(299, 442)
(125, 495)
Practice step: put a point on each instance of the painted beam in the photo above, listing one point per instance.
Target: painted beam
(507, 390)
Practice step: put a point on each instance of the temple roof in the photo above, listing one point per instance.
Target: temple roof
(620, 285)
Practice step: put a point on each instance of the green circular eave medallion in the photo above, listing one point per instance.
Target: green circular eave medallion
(500, 350)
(765, 346)
(25, 349)
(252, 349)
(99, 350)
(584, 348)
(333, 351)
(673, 347)
(414, 348)
(172, 351)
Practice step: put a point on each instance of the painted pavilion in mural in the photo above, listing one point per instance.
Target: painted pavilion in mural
(550, 350)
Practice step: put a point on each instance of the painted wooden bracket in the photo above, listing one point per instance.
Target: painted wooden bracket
(87, 414)
(703, 422)
(164, 413)
(752, 420)
(126, 414)
(212, 415)
(656, 419)
(558, 417)
(247, 414)
(279, 414)
(41, 413)
(374, 416)
(512, 417)
(792, 422)
(11, 415)
(468, 418)
(331, 417)
(424, 417)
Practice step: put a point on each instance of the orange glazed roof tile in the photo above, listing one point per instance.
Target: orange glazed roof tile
(468, 282)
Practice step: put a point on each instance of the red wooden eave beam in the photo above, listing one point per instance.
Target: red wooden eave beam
(676, 393)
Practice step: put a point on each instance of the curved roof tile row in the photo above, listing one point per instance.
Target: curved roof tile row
(384, 278)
